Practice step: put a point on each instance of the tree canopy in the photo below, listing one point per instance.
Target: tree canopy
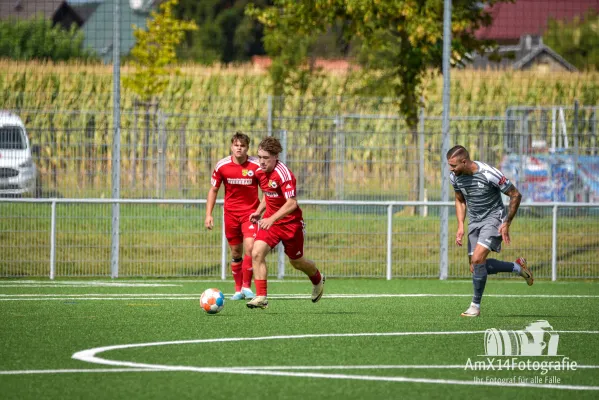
(576, 40)
(395, 41)
(225, 34)
(154, 52)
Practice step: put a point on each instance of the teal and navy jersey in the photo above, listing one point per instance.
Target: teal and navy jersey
(482, 191)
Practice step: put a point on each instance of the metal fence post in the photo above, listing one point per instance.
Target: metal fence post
(421, 158)
(280, 247)
(389, 240)
(554, 244)
(223, 250)
(339, 158)
(53, 241)
(578, 190)
(269, 115)
(161, 155)
(116, 142)
(443, 250)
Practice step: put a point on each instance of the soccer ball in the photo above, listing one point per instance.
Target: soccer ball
(212, 301)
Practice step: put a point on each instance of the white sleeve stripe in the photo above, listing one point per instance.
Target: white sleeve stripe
(495, 174)
(496, 170)
(222, 162)
(283, 172)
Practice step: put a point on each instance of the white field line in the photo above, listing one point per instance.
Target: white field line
(191, 296)
(516, 280)
(98, 284)
(124, 282)
(253, 368)
(73, 371)
(90, 355)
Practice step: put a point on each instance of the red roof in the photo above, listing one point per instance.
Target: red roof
(511, 21)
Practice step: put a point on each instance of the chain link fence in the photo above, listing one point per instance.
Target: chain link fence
(166, 238)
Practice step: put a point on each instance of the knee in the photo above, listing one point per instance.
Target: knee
(478, 260)
(296, 263)
(257, 255)
(248, 247)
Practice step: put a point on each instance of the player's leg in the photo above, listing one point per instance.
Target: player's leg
(490, 238)
(234, 236)
(479, 279)
(249, 232)
(293, 240)
(259, 252)
(473, 231)
(237, 269)
(308, 267)
(518, 267)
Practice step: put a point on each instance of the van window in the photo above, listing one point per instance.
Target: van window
(12, 138)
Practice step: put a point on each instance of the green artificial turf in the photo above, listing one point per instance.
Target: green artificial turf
(364, 339)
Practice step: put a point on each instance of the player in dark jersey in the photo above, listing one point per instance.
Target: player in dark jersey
(478, 188)
(237, 173)
(282, 222)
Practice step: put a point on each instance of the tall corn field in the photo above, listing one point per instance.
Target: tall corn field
(68, 111)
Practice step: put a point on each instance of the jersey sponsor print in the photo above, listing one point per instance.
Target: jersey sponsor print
(240, 182)
(278, 186)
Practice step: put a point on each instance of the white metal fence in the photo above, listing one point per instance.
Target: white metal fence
(384, 239)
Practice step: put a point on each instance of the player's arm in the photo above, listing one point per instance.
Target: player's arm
(255, 216)
(515, 199)
(210, 202)
(286, 209)
(460, 212)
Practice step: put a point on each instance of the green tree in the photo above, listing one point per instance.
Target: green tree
(396, 42)
(576, 40)
(36, 38)
(154, 52)
(225, 33)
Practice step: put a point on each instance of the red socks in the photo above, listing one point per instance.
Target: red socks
(248, 271)
(237, 275)
(316, 278)
(260, 287)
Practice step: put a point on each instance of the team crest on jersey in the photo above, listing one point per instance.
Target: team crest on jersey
(272, 184)
(244, 172)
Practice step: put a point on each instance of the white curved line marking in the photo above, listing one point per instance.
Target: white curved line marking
(266, 368)
(89, 355)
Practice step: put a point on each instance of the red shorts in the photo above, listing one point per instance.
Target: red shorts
(291, 234)
(238, 228)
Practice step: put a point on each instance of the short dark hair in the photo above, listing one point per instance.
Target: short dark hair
(458, 151)
(242, 137)
(272, 145)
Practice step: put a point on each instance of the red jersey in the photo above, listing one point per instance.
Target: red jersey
(278, 186)
(241, 184)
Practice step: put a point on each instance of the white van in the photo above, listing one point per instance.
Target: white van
(18, 174)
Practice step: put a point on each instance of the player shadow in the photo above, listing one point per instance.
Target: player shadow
(270, 312)
(540, 316)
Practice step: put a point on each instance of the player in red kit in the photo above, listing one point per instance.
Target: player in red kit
(238, 173)
(282, 222)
